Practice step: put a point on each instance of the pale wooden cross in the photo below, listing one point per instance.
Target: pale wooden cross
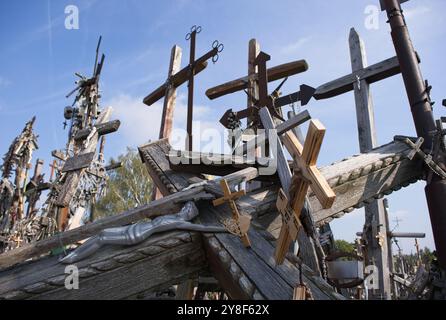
(241, 221)
(169, 104)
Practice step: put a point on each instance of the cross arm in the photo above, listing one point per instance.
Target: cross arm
(275, 73)
(374, 73)
(305, 161)
(176, 80)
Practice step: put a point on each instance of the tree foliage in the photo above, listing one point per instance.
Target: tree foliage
(128, 187)
(344, 246)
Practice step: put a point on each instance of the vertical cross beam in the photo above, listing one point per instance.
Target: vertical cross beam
(253, 85)
(190, 92)
(253, 95)
(169, 104)
(374, 212)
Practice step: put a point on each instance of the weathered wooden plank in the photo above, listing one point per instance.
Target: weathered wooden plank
(274, 73)
(115, 272)
(169, 104)
(283, 169)
(78, 162)
(374, 73)
(167, 205)
(102, 128)
(178, 79)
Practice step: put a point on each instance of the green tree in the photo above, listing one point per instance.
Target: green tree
(344, 246)
(128, 187)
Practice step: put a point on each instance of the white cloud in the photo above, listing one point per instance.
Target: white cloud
(141, 123)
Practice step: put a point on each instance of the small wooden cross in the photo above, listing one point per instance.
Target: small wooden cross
(242, 221)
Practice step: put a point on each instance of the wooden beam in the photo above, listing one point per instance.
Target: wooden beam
(152, 210)
(102, 128)
(177, 80)
(274, 73)
(169, 104)
(375, 218)
(114, 272)
(374, 73)
(78, 162)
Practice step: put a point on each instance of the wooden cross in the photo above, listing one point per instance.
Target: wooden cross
(180, 77)
(306, 175)
(250, 83)
(242, 221)
(290, 224)
(365, 75)
(305, 162)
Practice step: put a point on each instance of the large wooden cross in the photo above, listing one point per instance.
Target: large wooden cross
(361, 75)
(375, 213)
(306, 174)
(184, 75)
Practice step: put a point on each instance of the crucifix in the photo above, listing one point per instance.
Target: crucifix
(242, 222)
(177, 79)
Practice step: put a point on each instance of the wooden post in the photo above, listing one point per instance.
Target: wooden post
(253, 94)
(169, 105)
(375, 221)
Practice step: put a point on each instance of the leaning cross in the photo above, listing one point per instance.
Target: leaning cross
(305, 169)
(306, 175)
(241, 221)
(186, 74)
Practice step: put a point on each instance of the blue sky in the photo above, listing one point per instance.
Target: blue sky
(39, 56)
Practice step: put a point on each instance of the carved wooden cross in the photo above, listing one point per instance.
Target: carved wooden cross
(179, 78)
(241, 221)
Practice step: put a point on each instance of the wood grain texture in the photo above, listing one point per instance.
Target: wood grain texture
(115, 272)
(274, 73)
